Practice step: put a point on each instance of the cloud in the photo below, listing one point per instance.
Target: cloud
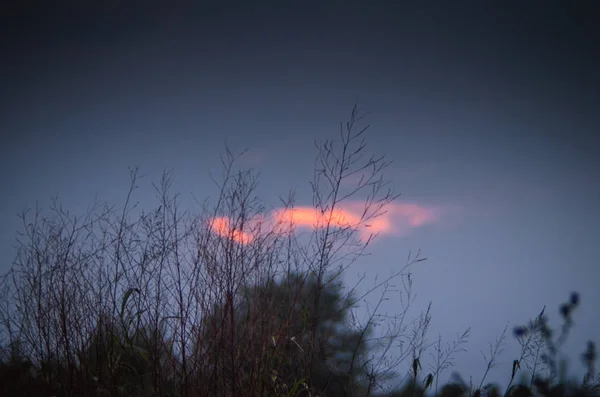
(416, 215)
(222, 227)
(399, 219)
(312, 218)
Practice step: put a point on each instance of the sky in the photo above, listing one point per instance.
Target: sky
(488, 110)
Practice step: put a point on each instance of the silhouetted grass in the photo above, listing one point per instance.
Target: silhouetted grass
(540, 346)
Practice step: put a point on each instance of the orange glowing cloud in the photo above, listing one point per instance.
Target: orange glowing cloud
(222, 227)
(398, 219)
(312, 218)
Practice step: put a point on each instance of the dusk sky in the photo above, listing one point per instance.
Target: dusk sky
(489, 112)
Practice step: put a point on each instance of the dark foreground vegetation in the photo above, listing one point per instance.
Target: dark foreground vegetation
(225, 303)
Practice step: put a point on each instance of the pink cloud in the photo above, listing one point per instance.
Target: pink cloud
(416, 215)
(398, 219)
(222, 226)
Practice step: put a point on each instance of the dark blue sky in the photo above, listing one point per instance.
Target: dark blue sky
(490, 113)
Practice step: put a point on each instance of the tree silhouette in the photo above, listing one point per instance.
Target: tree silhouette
(331, 363)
